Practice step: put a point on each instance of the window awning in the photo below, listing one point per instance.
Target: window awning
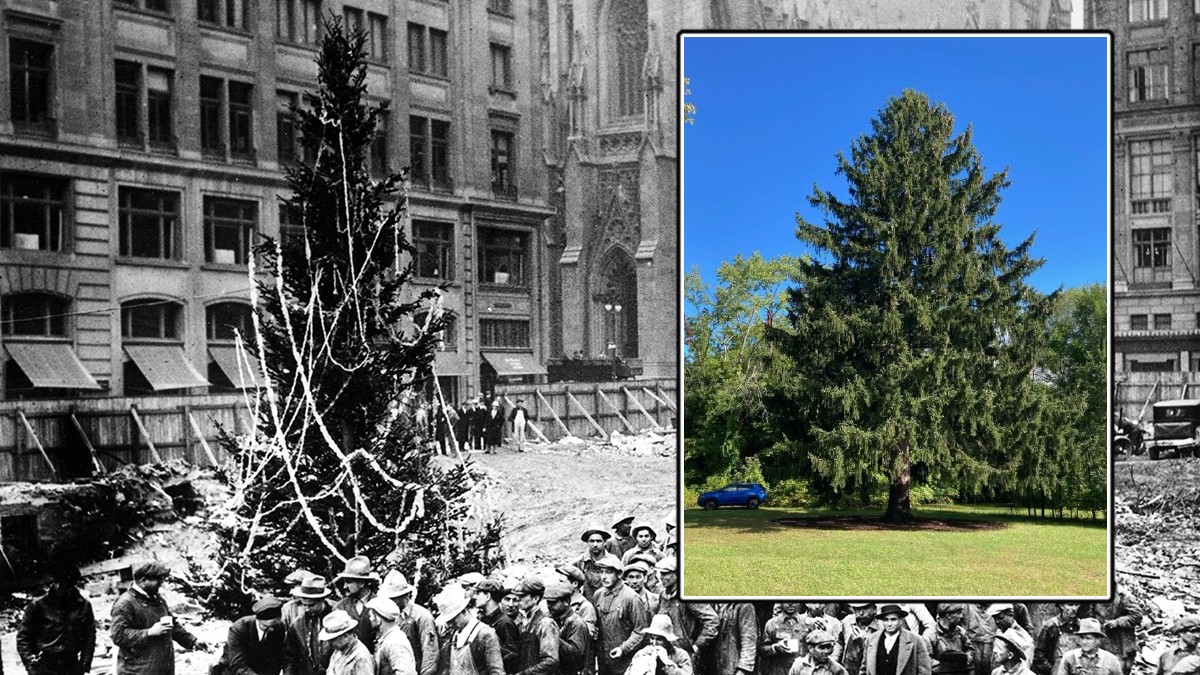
(165, 367)
(243, 373)
(508, 363)
(51, 365)
(446, 364)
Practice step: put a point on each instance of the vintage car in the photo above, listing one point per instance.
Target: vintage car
(1176, 428)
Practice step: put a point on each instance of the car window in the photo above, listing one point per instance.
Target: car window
(729, 488)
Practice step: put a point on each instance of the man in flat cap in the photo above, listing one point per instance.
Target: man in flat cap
(819, 659)
(1183, 659)
(1005, 616)
(538, 651)
(358, 583)
(815, 618)
(661, 652)
(622, 540)
(582, 605)
(472, 647)
(779, 644)
(1088, 658)
(1059, 635)
(644, 537)
(348, 656)
(416, 621)
(303, 651)
(254, 645)
(856, 627)
(895, 650)
(737, 639)
(488, 594)
(143, 628)
(695, 622)
(1010, 652)
(57, 635)
(393, 653)
(622, 614)
(950, 634)
(589, 562)
(1119, 619)
(574, 635)
(634, 575)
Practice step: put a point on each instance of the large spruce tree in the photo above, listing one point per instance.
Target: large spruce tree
(914, 335)
(332, 469)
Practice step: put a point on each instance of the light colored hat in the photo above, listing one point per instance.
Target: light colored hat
(624, 521)
(1185, 622)
(667, 564)
(999, 608)
(610, 561)
(635, 567)
(336, 623)
(818, 637)
(643, 526)
(395, 585)
(860, 605)
(1089, 627)
(661, 626)
(384, 607)
(471, 579)
(1015, 640)
(297, 577)
(312, 587)
(357, 568)
(451, 602)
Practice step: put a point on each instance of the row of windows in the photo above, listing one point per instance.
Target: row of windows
(45, 315)
(1153, 10)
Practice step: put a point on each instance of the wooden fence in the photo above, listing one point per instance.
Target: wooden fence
(595, 408)
(65, 439)
(1133, 390)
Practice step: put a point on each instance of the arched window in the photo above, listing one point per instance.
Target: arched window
(616, 306)
(627, 51)
(150, 319)
(226, 320)
(152, 336)
(34, 315)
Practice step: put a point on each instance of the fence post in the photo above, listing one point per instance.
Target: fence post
(187, 438)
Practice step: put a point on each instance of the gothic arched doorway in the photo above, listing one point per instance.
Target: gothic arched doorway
(615, 306)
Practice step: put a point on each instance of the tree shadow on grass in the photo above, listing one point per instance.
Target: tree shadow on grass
(933, 520)
(860, 523)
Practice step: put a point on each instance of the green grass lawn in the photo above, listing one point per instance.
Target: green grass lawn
(739, 552)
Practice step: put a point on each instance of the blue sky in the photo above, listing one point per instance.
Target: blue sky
(772, 113)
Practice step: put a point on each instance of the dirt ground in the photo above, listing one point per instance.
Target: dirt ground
(548, 495)
(864, 523)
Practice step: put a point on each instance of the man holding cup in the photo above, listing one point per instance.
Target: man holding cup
(780, 645)
(143, 628)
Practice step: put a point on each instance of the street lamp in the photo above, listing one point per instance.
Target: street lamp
(613, 310)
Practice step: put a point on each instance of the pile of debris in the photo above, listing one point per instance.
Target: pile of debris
(646, 443)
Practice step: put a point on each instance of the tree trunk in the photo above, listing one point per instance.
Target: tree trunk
(898, 507)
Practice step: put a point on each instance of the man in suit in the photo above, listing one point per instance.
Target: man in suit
(255, 643)
(894, 650)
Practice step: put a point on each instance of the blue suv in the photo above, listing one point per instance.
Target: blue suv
(749, 495)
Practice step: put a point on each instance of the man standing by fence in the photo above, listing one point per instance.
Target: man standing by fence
(519, 416)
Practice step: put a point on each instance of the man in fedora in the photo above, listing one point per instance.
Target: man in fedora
(895, 650)
(254, 645)
(519, 417)
(622, 615)
(737, 639)
(582, 605)
(1059, 635)
(1010, 652)
(574, 635)
(348, 656)
(291, 608)
(538, 650)
(1004, 614)
(143, 628)
(819, 657)
(416, 621)
(779, 645)
(357, 584)
(1088, 658)
(1185, 657)
(589, 562)
(1119, 619)
(57, 635)
(473, 648)
(856, 628)
(303, 651)
(622, 540)
(695, 621)
(393, 653)
(643, 537)
(954, 663)
(661, 652)
(488, 594)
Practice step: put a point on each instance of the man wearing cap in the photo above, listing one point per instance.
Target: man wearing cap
(651, 581)
(393, 653)
(581, 604)
(661, 651)
(358, 583)
(473, 648)
(291, 609)
(1004, 614)
(1009, 652)
(415, 621)
(1119, 619)
(819, 659)
(518, 417)
(574, 635)
(622, 540)
(644, 537)
(737, 638)
(143, 628)
(1058, 636)
(622, 615)
(1183, 659)
(779, 645)
(254, 645)
(696, 622)
(488, 594)
(303, 651)
(57, 635)
(895, 650)
(596, 540)
(538, 650)
(348, 656)
(634, 575)
(856, 627)
(950, 635)
(815, 618)
(1088, 658)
